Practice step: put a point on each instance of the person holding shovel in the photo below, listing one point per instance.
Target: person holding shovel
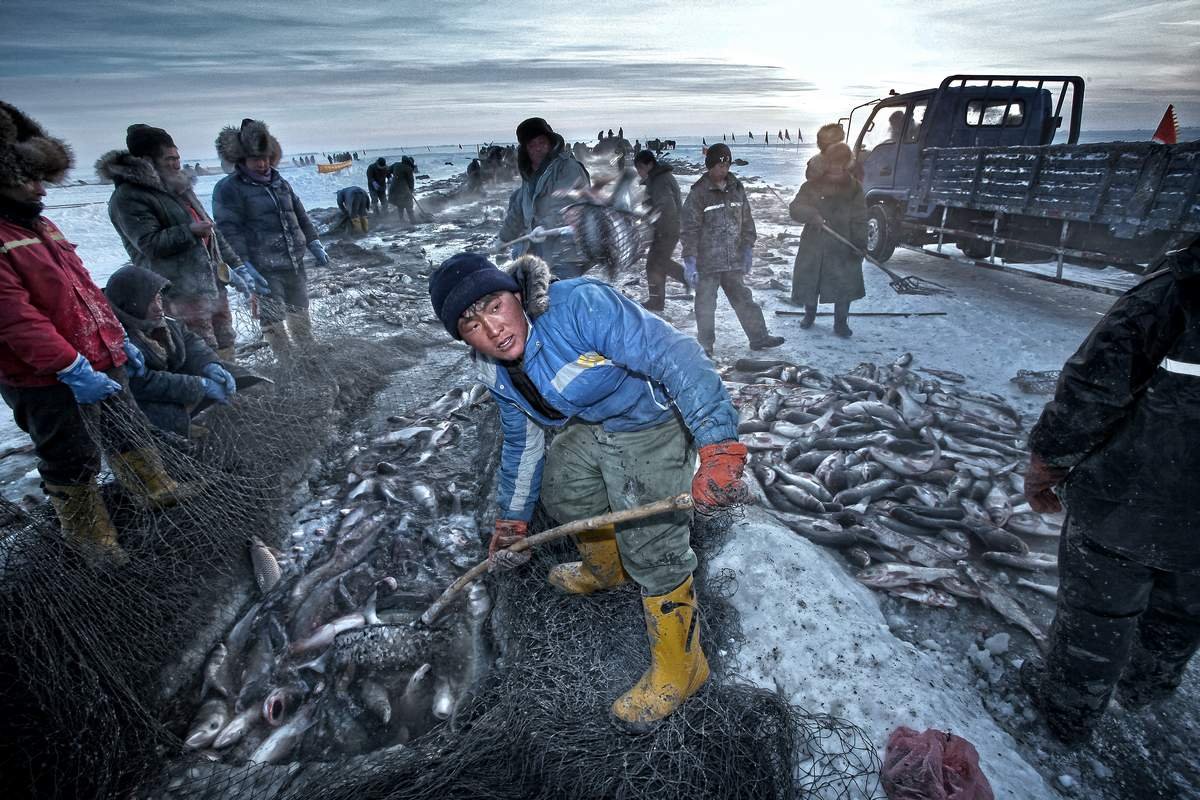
(631, 398)
(826, 270)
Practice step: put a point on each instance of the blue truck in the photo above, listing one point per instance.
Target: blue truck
(984, 162)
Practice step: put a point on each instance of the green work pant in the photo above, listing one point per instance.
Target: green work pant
(590, 471)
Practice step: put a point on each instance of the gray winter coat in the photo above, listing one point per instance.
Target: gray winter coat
(536, 203)
(264, 222)
(153, 224)
(826, 270)
(717, 225)
(663, 196)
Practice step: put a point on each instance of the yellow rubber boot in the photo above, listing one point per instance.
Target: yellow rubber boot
(600, 568)
(142, 473)
(299, 325)
(678, 667)
(362, 224)
(84, 519)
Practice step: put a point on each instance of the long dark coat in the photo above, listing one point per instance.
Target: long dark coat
(826, 270)
(153, 224)
(1124, 420)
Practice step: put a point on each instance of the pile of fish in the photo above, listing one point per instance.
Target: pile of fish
(915, 478)
(326, 662)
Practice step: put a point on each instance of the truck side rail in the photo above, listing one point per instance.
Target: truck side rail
(1134, 187)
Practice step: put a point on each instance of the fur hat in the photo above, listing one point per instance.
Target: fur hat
(146, 141)
(532, 127)
(251, 140)
(27, 153)
(716, 154)
(830, 134)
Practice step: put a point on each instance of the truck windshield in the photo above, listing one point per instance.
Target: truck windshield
(885, 126)
(990, 113)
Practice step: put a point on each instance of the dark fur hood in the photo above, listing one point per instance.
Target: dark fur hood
(119, 166)
(533, 276)
(251, 139)
(526, 167)
(27, 153)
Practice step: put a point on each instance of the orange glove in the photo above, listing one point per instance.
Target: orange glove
(507, 533)
(718, 482)
(1040, 480)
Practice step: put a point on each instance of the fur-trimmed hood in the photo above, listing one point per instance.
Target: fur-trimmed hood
(525, 166)
(118, 166)
(534, 277)
(27, 153)
(252, 139)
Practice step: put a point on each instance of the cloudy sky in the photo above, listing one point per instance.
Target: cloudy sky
(363, 73)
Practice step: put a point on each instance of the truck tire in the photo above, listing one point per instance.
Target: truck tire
(881, 233)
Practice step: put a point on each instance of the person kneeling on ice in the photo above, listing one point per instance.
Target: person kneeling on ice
(826, 270)
(354, 202)
(181, 370)
(1120, 437)
(718, 237)
(630, 395)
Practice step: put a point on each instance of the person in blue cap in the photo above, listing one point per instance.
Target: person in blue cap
(633, 399)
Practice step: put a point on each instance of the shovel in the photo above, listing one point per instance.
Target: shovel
(425, 215)
(681, 502)
(909, 284)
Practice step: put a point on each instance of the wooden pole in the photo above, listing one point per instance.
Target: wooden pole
(681, 502)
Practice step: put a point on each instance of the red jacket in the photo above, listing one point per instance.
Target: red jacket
(50, 309)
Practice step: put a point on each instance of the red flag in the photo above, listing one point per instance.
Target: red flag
(1168, 129)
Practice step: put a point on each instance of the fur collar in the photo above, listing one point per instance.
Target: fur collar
(533, 276)
(120, 166)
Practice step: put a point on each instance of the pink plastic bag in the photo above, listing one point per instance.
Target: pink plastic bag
(933, 765)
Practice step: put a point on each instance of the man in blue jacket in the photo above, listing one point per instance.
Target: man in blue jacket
(631, 395)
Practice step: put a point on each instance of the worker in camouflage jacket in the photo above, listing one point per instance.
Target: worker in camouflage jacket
(664, 200)
(718, 235)
(1120, 444)
(165, 228)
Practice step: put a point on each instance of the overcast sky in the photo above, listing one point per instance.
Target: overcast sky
(360, 73)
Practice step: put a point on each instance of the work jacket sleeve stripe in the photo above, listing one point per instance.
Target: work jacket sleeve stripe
(522, 456)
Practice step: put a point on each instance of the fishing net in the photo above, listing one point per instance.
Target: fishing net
(607, 236)
(1037, 381)
(371, 498)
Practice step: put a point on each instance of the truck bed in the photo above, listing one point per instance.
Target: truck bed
(1134, 187)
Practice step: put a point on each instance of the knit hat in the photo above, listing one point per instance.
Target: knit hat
(532, 127)
(460, 281)
(716, 154)
(146, 141)
(27, 153)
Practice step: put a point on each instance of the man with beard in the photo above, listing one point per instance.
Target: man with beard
(265, 222)
(826, 270)
(634, 402)
(548, 173)
(63, 354)
(165, 229)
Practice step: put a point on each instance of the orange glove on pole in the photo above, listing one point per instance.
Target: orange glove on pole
(1040, 480)
(507, 533)
(718, 483)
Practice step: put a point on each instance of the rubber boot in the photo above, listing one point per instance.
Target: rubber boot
(810, 316)
(841, 311)
(678, 667)
(84, 519)
(362, 224)
(600, 568)
(300, 325)
(1166, 643)
(276, 336)
(142, 473)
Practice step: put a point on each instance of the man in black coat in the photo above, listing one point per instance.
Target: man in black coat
(377, 182)
(404, 182)
(1120, 440)
(181, 370)
(664, 199)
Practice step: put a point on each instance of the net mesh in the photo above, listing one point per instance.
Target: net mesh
(212, 665)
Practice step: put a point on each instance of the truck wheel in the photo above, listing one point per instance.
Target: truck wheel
(881, 233)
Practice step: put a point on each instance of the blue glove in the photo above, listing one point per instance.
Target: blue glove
(256, 282)
(136, 365)
(375, 185)
(215, 391)
(689, 270)
(215, 372)
(318, 250)
(239, 283)
(86, 384)
(747, 259)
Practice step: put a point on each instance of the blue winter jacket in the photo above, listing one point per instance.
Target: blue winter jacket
(597, 356)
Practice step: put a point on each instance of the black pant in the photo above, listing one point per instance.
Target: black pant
(405, 204)
(740, 297)
(1117, 621)
(660, 266)
(379, 199)
(67, 454)
(289, 293)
